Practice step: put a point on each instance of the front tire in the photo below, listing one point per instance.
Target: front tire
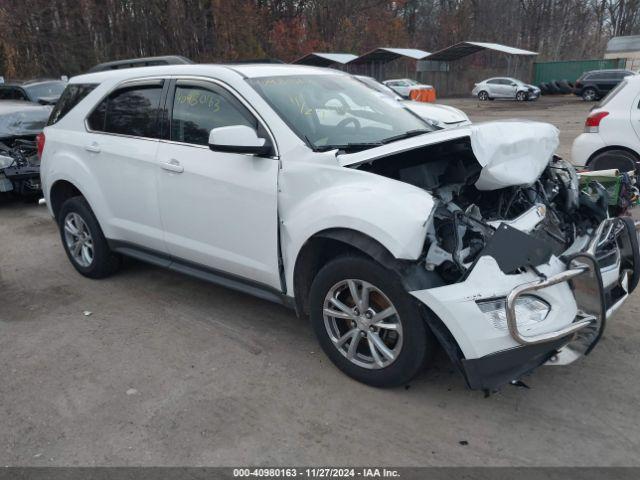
(83, 240)
(367, 324)
(521, 96)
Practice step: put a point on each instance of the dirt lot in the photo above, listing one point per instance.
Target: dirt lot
(168, 370)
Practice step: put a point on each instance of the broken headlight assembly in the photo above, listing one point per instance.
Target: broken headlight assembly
(530, 311)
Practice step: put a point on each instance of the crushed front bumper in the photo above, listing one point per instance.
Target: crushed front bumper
(583, 288)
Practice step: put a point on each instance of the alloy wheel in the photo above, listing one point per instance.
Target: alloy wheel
(78, 239)
(363, 324)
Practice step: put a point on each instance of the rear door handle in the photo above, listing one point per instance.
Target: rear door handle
(172, 165)
(92, 147)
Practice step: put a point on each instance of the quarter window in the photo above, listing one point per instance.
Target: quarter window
(197, 110)
(71, 96)
(129, 111)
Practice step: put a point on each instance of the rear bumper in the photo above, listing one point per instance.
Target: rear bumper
(583, 289)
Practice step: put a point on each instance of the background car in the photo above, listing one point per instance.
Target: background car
(595, 84)
(441, 116)
(140, 62)
(45, 92)
(403, 86)
(611, 138)
(20, 122)
(505, 87)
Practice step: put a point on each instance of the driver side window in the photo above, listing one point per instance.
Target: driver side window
(198, 109)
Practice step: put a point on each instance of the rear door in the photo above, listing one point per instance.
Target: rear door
(120, 148)
(499, 86)
(219, 209)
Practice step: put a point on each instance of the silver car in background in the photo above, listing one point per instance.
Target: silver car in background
(505, 87)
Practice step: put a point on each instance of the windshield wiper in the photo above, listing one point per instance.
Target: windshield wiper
(402, 136)
(349, 147)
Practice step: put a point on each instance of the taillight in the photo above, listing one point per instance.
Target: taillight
(40, 143)
(592, 125)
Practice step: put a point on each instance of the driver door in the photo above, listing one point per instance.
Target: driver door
(218, 209)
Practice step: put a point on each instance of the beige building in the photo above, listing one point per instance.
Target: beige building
(627, 48)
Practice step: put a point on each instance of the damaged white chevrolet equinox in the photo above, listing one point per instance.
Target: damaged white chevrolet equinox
(303, 186)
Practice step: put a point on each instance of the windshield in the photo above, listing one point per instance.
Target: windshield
(337, 111)
(46, 89)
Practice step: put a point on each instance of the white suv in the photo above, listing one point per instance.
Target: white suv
(302, 186)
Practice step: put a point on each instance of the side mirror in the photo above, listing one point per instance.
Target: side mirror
(514, 84)
(238, 139)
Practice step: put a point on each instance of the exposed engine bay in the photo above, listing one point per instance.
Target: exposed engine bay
(521, 226)
(20, 169)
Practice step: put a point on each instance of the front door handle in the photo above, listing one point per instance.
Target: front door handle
(92, 147)
(172, 165)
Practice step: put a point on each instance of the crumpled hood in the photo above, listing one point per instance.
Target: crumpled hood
(511, 152)
(22, 118)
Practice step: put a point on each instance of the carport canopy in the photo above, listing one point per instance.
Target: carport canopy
(463, 49)
(320, 59)
(384, 55)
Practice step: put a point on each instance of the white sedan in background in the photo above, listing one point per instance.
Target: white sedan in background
(441, 116)
(403, 86)
(505, 87)
(611, 137)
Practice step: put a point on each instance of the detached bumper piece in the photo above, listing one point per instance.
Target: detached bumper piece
(597, 294)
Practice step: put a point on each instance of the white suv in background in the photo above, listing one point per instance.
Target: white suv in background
(611, 137)
(303, 186)
(403, 86)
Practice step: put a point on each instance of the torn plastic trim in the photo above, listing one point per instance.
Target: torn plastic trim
(412, 273)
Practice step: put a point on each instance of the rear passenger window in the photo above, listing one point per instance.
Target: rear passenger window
(71, 96)
(197, 110)
(129, 111)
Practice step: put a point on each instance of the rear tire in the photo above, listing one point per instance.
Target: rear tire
(483, 96)
(620, 159)
(406, 339)
(83, 240)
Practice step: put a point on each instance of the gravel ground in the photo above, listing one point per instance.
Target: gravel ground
(168, 370)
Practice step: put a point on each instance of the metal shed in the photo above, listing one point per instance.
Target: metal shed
(627, 48)
(453, 73)
(374, 63)
(463, 49)
(321, 59)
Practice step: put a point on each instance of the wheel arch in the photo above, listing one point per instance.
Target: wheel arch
(60, 191)
(328, 244)
(609, 148)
